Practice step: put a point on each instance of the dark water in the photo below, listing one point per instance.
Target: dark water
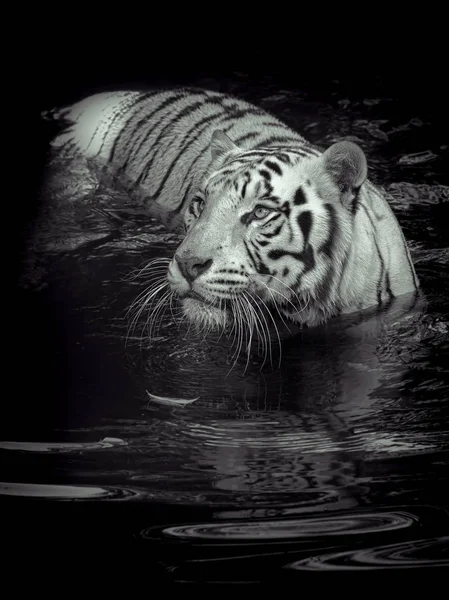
(334, 462)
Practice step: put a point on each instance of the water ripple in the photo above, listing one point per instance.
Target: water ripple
(290, 529)
(63, 492)
(275, 435)
(428, 552)
(53, 447)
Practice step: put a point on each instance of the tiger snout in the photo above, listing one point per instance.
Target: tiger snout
(192, 267)
(183, 272)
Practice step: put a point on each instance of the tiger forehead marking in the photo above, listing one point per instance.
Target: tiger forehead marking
(241, 174)
(263, 179)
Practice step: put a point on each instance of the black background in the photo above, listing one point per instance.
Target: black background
(65, 60)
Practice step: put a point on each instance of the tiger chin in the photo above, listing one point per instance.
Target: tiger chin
(274, 227)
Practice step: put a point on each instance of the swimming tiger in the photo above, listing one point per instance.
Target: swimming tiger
(269, 219)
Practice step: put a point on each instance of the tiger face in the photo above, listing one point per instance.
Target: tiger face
(268, 228)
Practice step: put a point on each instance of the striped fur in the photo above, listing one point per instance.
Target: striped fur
(268, 217)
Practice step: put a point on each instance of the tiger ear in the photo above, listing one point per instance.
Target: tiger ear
(221, 144)
(346, 163)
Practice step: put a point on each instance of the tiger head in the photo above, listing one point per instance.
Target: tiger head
(269, 227)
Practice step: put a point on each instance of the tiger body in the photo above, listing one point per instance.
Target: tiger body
(268, 218)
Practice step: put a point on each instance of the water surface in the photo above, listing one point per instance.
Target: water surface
(335, 461)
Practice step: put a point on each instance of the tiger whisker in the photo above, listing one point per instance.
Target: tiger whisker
(264, 337)
(275, 304)
(223, 329)
(240, 325)
(153, 265)
(171, 307)
(276, 329)
(248, 330)
(263, 327)
(288, 288)
(150, 282)
(145, 298)
(153, 322)
(262, 340)
(306, 304)
(271, 290)
(233, 329)
(239, 322)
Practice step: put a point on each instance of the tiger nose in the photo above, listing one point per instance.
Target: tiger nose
(192, 267)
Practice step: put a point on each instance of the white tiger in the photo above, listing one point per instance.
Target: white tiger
(270, 221)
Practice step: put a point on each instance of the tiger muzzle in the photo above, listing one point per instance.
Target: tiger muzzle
(192, 267)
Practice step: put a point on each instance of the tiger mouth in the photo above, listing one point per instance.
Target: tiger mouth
(203, 313)
(216, 303)
(195, 296)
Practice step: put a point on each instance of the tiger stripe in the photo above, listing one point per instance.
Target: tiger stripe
(138, 101)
